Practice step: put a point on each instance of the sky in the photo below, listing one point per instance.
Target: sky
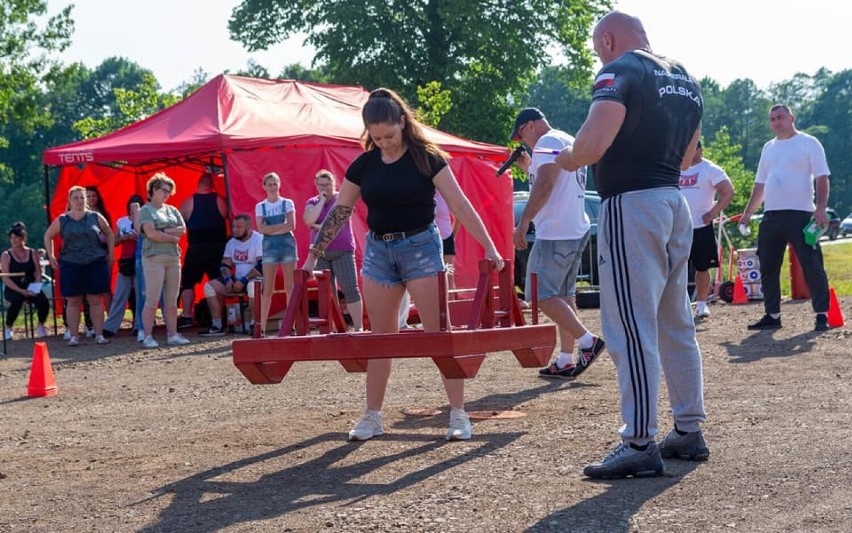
(764, 40)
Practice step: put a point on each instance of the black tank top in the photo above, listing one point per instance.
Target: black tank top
(664, 107)
(27, 269)
(206, 224)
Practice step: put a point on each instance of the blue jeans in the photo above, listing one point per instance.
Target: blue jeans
(403, 258)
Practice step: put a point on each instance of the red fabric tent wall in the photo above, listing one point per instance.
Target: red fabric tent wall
(292, 128)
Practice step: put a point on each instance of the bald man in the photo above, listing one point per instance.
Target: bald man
(641, 131)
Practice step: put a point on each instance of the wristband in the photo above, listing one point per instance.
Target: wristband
(244, 280)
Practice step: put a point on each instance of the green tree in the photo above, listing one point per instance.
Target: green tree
(722, 151)
(484, 52)
(25, 60)
(564, 100)
(133, 105)
(296, 71)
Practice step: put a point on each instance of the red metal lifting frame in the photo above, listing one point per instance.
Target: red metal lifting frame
(496, 323)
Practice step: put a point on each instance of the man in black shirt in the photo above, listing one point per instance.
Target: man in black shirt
(642, 129)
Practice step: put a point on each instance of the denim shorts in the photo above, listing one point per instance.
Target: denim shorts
(403, 258)
(279, 249)
(556, 264)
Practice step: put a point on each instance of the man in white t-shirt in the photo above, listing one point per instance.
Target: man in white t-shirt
(700, 184)
(792, 168)
(241, 263)
(556, 206)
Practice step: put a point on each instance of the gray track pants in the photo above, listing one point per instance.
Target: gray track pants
(644, 238)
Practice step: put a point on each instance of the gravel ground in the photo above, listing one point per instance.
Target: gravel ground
(177, 440)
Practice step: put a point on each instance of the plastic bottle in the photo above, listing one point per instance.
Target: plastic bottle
(744, 229)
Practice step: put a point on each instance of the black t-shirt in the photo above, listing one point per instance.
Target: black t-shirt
(664, 107)
(398, 196)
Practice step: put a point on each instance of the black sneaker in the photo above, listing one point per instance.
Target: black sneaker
(213, 331)
(184, 322)
(108, 334)
(554, 372)
(687, 446)
(586, 357)
(821, 323)
(767, 322)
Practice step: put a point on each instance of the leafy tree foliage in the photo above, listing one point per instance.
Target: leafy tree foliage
(482, 51)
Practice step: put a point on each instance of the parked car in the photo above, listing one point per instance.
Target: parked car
(588, 267)
(846, 225)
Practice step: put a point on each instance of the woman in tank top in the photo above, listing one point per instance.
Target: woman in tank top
(20, 259)
(84, 262)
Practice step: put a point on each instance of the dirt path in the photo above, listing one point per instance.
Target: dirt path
(178, 440)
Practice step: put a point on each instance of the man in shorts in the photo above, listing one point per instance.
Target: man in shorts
(240, 264)
(699, 184)
(206, 233)
(557, 207)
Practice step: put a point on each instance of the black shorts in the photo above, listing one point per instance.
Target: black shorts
(450, 245)
(200, 260)
(704, 254)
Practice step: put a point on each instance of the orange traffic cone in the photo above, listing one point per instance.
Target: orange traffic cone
(835, 315)
(740, 296)
(42, 382)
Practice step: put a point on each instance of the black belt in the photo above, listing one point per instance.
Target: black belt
(388, 237)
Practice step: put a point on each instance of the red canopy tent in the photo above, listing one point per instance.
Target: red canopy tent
(249, 127)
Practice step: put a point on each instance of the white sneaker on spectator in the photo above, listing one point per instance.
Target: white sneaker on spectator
(100, 339)
(149, 342)
(40, 331)
(73, 341)
(67, 335)
(368, 427)
(140, 337)
(8, 334)
(90, 333)
(177, 340)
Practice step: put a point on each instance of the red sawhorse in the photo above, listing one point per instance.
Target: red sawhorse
(495, 323)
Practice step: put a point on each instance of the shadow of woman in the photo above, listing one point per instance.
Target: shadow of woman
(220, 497)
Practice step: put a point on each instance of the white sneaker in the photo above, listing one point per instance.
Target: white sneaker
(702, 311)
(177, 340)
(90, 333)
(460, 428)
(40, 331)
(8, 334)
(149, 342)
(370, 426)
(73, 341)
(67, 335)
(100, 339)
(140, 337)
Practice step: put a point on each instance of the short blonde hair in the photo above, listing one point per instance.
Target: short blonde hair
(324, 174)
(271, 175)
(157, 181)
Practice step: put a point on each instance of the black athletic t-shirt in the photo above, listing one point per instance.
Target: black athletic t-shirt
(664, 107)
(398, 196)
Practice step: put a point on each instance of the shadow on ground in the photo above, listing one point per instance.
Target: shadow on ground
(612, 509)
(207, 502)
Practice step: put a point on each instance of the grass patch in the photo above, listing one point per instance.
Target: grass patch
(838, 265)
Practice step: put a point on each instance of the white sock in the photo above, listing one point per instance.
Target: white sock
(564, 359)
(217, 323)
(700, 303)
(776, 316)
(456, 412)
(586, 341)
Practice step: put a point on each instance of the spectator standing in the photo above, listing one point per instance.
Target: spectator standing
(397, 177)
(240, 264)
(792, 167)
(641, 131)
(127, 238)
(24, 261)
(163, 227)
(205, 213)
(84, 262)
(557, 207)
(276, 220)
(339, 257)
(700, 184)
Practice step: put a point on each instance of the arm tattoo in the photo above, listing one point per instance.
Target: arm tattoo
(336, 219)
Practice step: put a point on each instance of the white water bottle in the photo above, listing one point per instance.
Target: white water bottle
(232, 314)
(744, 230)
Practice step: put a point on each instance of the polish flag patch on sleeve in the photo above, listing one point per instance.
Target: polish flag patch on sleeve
(607, 79)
